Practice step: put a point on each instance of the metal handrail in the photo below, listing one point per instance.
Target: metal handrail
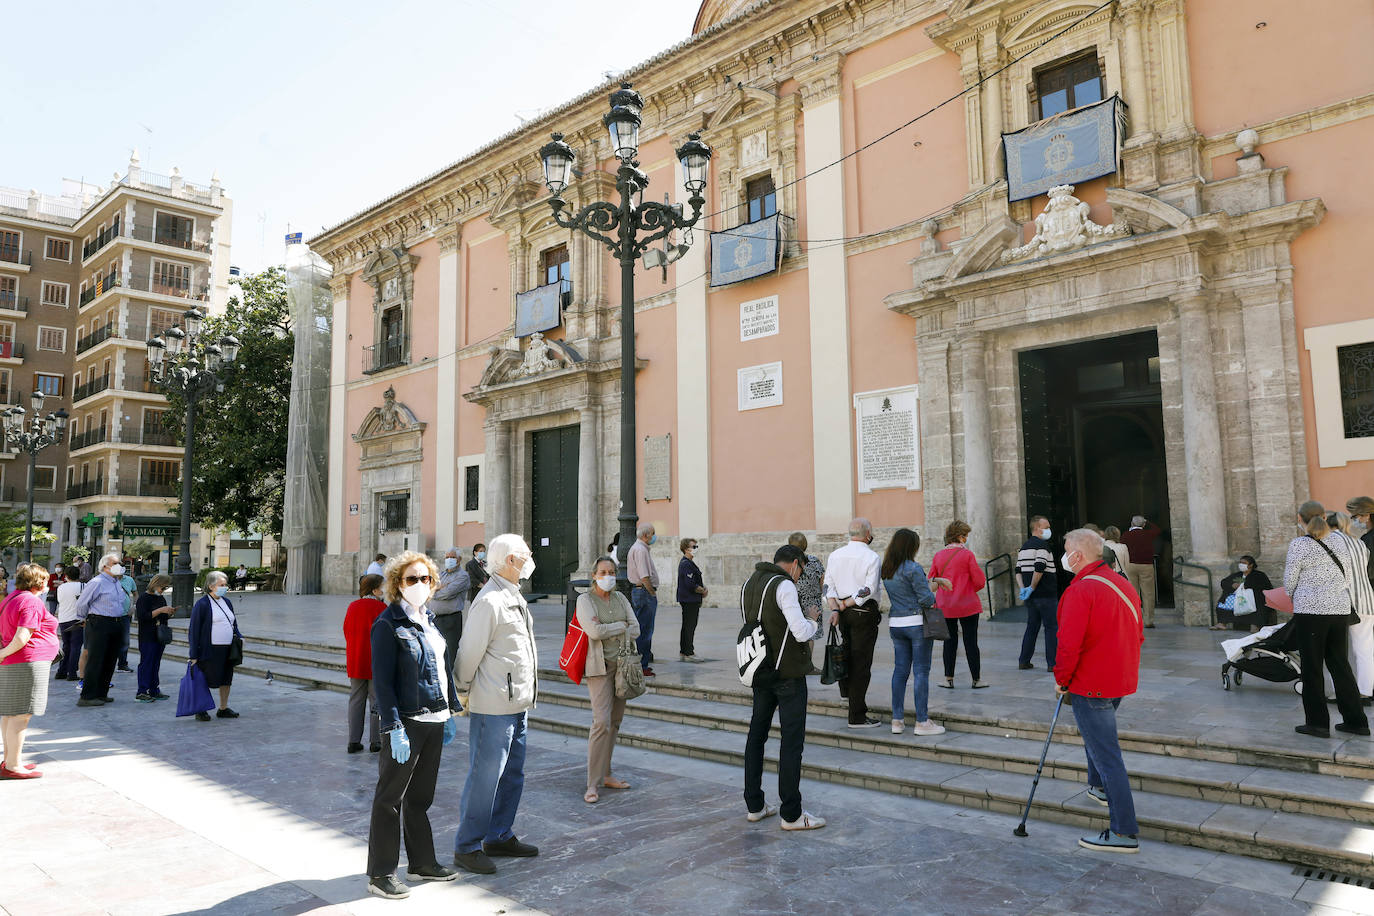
(1179, 564)
(993, 576)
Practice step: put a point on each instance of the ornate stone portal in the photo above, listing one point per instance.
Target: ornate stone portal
(391, 442)
(1063, 226)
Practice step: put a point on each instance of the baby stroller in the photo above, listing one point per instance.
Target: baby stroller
(1265, 655)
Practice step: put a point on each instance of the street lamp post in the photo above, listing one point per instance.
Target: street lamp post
(41, 433)
(184, 360)
(618, 227)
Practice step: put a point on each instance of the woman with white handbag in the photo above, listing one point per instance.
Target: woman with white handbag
(1242, 605)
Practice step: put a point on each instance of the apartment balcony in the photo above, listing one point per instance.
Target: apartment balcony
(14, 257)
(388, 354)
(14, 306)
(94, 386)
(142, 383)
(88, 438)
(86, 489)
(95, 290)
(159, 488)
(151, 234)
(99, 335)
(100, 241)
(194, 288)
(151, 436)
(11, 353)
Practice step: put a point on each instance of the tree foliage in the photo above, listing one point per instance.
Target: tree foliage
(12, 527)
(239, 474)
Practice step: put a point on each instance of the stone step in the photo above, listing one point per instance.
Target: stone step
(324, 658)
(308, 676)
(1330, 843)
(1239, 784)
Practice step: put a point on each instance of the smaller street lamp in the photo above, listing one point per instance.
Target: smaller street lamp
(42, 431)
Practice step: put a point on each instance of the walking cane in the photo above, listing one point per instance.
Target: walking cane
(1021, 827)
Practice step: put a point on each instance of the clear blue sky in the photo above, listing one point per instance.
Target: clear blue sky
(309, 111)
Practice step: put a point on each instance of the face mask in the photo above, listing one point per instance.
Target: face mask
(481, 554)
(221, 590)
(606, 583)
(1046, 533)
(653, 539)
(1064, 563)
(416, 595)
(116, 570)
(450, 562)
(528, 569)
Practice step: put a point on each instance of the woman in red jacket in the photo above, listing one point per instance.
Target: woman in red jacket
(958, 599)
(357, 628)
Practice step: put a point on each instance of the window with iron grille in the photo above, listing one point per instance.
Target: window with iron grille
(472, 481)
(1065, 85)
(396, 512)
(761, 199)
(1355, 364)
(58, 250)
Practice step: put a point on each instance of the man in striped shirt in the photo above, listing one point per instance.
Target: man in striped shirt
(1036, 574)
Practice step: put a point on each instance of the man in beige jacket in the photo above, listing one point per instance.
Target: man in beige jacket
(497, 670)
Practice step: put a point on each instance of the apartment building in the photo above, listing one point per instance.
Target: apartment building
(86, 278)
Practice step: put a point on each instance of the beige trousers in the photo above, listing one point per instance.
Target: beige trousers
(607, 711)
(1142, 579)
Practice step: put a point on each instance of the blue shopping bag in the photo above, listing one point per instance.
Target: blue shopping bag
(195, 693)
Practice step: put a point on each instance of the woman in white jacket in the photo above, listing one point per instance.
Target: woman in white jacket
(609, 622)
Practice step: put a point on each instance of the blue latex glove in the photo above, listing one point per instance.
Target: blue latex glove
(400, 744)
(1024, 593)
(450, 729)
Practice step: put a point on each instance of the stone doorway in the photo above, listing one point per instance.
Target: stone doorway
(553, 507)
(1092, 424)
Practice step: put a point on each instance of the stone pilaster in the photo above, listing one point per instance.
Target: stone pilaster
(1133, 67)
(588, 488)
(498, 464)
(1201, 432)
(980, 497)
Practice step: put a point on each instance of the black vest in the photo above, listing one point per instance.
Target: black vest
(796, 656)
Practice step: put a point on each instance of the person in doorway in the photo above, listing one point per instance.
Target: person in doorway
(498, 682)
(151, 609)
(376, 567)
(1248, 575)
(1098, 662)
(212, 631)
(1142, 544)
(450, 597)
(853, 582)
(958, 579)
(1121, 554)
(241, 578)
(102, 603)
(28, 644)
(71, 626)
(1316, 575)
(357, 630)
(477, 571)
(1361, 642)
(609, 622)
(771, 594)
(911, 598)
(1036, 574)
(643, 576)
(690, 593)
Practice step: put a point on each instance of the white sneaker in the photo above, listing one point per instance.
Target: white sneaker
(768, 811)
(897, 726)
(807, 821)
(928, 728)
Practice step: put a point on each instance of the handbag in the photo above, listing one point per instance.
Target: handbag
(236, 651)
(629, 675)
(1279, 599)
(573, 658)
(194, 695)
(836, 664)
(164, 632)
(936, 627)
(1245, 602)
(1354, 616)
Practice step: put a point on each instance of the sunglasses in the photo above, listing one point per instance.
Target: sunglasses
(412, 580)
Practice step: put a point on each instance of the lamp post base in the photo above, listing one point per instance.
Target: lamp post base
(183, 591)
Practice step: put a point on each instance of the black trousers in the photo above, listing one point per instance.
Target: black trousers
(859, 630)
(404, 793)
(786, 696)
(104, 636)
(686, 641)
(450, 626)
(969, 625)
(1323, 638)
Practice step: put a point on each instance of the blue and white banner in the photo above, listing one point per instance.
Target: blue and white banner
(1068, 148)
(539, 309)
(747, 251)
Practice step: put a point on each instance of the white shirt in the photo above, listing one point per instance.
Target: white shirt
(853, 567)
(437, 645)
(802, 627)
(67, 593)
(221, 623)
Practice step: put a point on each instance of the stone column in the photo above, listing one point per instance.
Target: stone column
(990, 61)
(1201, 432)
(446, 400)
(693, 439)
(338, 414)
(588, 488)
(980, 495)
(498, 467)
(1137, 93)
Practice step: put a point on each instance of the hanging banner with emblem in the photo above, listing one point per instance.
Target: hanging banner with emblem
(539, 309)
(747, 251)
(1069, 148)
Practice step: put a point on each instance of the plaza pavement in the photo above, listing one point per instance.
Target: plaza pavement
(142, 813)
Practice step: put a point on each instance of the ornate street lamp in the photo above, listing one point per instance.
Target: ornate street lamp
(618, 226)
(185, 361)
(41, 432)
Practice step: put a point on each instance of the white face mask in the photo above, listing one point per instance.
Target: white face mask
(416, 595)
(1242, 567)
(116, 570)
(1046, 533)
(1064, 563)
(606, 583)
(528, 569)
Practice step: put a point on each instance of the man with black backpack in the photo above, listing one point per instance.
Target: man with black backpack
(775, 658)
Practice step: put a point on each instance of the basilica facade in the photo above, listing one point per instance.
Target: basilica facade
(960, 259)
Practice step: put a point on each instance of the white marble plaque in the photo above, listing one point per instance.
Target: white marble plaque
(760, 386)
(754, 148)
(758, 318)
(887, 433)
(658, 467)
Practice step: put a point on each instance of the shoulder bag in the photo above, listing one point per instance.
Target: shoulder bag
(936, 626)
(573, 658)
(629, 674)
(1354, 616)
(1119, 593)
(236, 644)
(751, 645)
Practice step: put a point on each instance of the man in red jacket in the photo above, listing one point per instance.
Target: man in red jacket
(1098, 662)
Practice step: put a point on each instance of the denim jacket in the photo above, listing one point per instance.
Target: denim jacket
(404, 672)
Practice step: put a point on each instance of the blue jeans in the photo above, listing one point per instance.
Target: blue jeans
(911, 651)
(1041, 612)
(1096, 718)
(149, 665)
(496, 778)
(645, 607)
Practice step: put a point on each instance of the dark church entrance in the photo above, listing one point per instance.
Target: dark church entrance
(553, 509)
(1092, 424)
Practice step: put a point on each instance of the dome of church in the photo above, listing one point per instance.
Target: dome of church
(713, 11)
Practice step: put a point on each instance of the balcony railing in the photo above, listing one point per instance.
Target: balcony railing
(86, 488)
(15, 256)
(151, 234)
(136, 382)
(194, 287)
(89, 437)
(14, 303)
(11, 350)
(100, 241)
(387, 354)
(98, 335)
(103, 285)
(158, 488)
(151, 436)
(93, 386)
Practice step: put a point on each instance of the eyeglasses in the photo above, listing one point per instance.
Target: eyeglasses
(412, 580)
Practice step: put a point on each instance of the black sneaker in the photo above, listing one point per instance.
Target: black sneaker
(160, 696)
(226, 713)
(435, 872)
(868, 722)
(387, 886)
(144, 697)
(107, 699)
(95, 701)
(374, 747)
(1313, 731)
(125, 669)
(354, 747)
(202, 717)
(511, 847)
(1025, 666)
(475, 862)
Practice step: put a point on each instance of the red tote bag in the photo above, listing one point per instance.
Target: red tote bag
(573, 658)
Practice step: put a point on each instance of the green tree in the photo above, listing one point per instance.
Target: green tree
(12, 525)
(239, 474)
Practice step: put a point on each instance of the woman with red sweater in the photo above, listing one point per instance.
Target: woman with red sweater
(958, 600)
(357, 628)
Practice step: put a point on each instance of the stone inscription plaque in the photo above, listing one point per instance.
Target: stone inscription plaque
(760, 386)
(658, 467)
(886, 428)
(758, 318)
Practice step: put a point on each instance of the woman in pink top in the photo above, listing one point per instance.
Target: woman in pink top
(959, 600)
(28, 644)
